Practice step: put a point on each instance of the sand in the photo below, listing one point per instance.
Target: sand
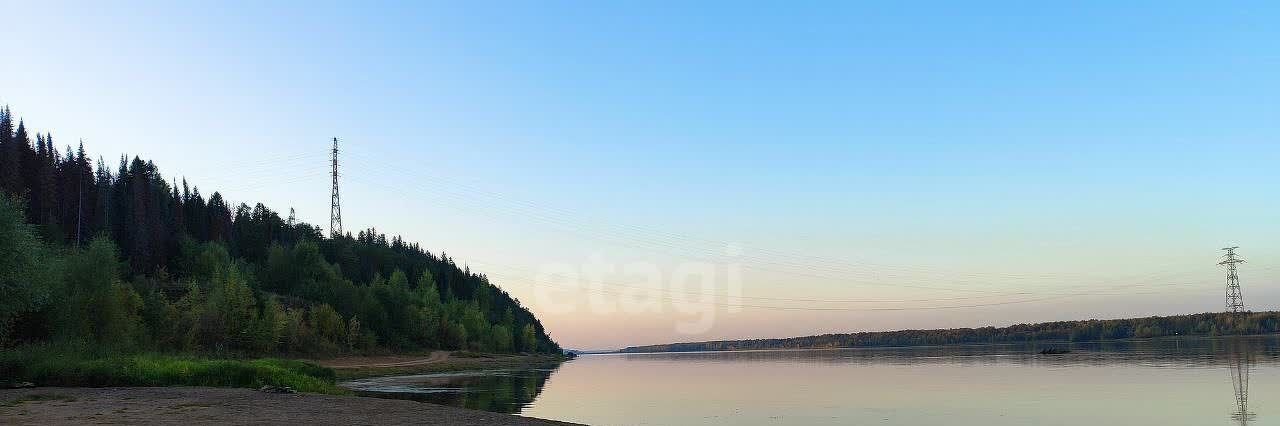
(192, 406)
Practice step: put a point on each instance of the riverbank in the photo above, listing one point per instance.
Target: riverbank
(435, 362)
(72, 366)
(218, 406)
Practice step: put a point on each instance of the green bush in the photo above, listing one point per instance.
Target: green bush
(60, 366)
(26, 269)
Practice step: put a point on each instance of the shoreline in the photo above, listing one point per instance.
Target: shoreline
(347, 368)
(1206, 324)
(949, 345)
(219, 406)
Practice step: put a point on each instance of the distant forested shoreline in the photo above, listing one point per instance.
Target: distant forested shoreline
(121, 258)
(1206, 324)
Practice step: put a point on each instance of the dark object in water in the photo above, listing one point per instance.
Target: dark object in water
(1054, 351)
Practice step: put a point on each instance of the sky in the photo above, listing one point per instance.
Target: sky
(649, 172)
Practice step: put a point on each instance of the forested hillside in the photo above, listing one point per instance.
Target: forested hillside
(120, 256)
(1207, 324)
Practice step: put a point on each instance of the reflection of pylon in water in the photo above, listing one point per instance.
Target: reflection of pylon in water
(1240, 381)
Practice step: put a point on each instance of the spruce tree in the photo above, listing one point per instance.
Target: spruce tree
(10, 154)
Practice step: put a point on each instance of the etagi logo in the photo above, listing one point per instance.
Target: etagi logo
(693, 288)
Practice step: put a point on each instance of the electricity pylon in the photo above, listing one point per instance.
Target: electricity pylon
(335, 205)
(1235, 302)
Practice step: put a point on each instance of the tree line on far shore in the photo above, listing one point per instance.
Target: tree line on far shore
(124, 259)
(1206, 324)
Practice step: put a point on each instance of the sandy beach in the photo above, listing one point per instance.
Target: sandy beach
(220, 406)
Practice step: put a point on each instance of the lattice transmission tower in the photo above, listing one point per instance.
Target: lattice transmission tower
(1235, 302)
(335, 204)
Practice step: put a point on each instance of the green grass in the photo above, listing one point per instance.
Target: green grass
(54, 366)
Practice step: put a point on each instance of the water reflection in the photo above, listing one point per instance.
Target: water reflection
(503, 391)
(1159, 353)
(1241, 360)
(1169, 381)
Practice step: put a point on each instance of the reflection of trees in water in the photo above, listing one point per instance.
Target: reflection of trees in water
(1164, 352)
(1241, 361)
(497, 391)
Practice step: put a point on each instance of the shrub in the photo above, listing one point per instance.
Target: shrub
(68, 366)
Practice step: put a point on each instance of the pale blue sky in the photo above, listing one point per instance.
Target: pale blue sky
(1011, 145)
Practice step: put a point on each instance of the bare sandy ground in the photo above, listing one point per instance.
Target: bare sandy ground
(222, 406)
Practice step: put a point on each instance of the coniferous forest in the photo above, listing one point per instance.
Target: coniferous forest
(1203, 325)
(120, 256)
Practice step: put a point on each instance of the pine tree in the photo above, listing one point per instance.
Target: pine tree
(102, 205)
(85, 196)
(26, 160)
(46, 193)
(10, 155)
(219, 219)
(179, 212)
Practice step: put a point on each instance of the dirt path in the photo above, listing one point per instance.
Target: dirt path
(388, 361)
(190, 406)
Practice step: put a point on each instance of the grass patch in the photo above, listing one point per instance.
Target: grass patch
(50, 366)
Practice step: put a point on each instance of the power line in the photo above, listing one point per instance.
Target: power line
(652, 233)
(754, 264)
(821, 264)
(662, 241)
(602, 291)
(527, 274)
(751, 262)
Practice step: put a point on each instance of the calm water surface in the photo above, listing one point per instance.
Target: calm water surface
(1164, 382)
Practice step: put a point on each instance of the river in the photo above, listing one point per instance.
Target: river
(1191, 381)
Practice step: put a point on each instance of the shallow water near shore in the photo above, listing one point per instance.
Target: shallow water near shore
(1191, 381)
